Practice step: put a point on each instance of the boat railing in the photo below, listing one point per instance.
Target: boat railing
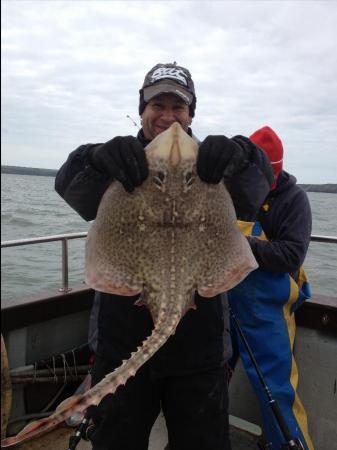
(64, 238)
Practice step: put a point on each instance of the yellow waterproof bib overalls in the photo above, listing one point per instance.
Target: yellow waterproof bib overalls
(264, 304)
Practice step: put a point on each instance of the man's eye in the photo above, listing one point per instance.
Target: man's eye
(180, 108)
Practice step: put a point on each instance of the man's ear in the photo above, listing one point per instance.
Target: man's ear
(190, 120)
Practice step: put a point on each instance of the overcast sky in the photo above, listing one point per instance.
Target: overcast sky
(71, 71)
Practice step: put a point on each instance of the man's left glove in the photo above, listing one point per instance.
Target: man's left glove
(123, 159)
(218, 157)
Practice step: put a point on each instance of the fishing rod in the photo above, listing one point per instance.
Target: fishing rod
(135, 123)
(291, 442)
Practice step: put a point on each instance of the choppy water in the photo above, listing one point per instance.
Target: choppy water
(30, 208)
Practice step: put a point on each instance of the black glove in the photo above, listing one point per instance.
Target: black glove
(123, 159)
(93, 412)
(97, 416)
(218, 157)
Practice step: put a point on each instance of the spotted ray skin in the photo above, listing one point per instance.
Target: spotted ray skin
(173, 235)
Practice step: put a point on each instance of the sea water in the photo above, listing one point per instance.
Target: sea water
(30, 207)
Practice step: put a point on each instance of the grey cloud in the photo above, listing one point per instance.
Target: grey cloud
(72, 71)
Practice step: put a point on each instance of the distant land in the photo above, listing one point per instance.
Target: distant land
(16, 170)
(329, 188)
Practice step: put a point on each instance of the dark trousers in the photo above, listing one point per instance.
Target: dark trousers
(195, 407)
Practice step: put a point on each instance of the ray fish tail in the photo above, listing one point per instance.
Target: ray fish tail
(164, 327)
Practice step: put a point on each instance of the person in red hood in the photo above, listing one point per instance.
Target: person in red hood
(264, 303)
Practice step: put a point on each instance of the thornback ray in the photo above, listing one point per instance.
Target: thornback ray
(171, 236)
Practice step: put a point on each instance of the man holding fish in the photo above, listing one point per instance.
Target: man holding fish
(185, 377)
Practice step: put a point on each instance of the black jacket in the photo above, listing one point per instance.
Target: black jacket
(286, 221)
(201, 340)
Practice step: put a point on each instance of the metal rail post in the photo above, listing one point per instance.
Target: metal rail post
(65, 267)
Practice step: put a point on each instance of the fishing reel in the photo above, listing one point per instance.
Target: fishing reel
(83, 431)
(293, 444)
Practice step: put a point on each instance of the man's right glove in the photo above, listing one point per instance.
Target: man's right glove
(218, 157)
(123, 159)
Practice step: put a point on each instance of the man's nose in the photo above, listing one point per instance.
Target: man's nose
(168, 115)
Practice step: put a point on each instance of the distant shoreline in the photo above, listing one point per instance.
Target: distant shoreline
(328, 188)
(16, 170)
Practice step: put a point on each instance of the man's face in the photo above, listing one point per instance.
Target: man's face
(161, 112)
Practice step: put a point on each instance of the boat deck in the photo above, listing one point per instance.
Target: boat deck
(58, 439)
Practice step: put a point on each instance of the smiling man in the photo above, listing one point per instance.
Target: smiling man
(167, 96)
(186, 377)
(161, 112)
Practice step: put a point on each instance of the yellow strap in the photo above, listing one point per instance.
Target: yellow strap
(246, 229)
